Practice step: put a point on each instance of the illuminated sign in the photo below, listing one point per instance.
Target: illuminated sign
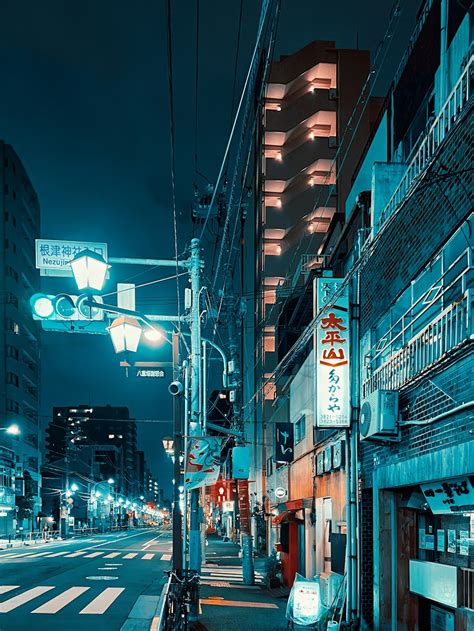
(448, 496)
(53, 255)
(332, 355)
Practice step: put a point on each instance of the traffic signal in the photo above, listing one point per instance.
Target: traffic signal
(65, 307)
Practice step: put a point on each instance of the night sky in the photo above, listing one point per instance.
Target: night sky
(84, 102)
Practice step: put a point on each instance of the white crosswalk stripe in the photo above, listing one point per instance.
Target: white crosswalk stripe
(132, 555)
(76, 554)
(56, 604)
(98, 605)
(112, 555)
(166, 557)
(102, 602)
(56, 554)
(93, 555)
(21, 599)
(148, 556)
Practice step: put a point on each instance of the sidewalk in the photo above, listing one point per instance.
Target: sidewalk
(227, 604)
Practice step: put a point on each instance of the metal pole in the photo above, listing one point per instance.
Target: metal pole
(120, 260)
(177, 436)
(195, 265)
(186, 432)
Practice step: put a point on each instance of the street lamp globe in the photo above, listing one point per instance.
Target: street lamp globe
(168, 443)
(154, 335)
(89, 269)
(13, 430)
(74, 487)
(110, 481)
(125, 333)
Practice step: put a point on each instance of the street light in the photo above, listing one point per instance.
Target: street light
(74, 487)
(89, 269)
(12, 430)
(110, 481)
(168, 444)
(125, 333)
(154, 335)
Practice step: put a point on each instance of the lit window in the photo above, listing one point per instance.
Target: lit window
(111, 435)
(300, 429)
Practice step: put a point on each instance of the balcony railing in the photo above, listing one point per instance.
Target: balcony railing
(421, 158)
(448, 331)
(306, 263)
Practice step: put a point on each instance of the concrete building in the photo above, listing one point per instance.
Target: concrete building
(301, 186)
(20, 363)
(401, 232)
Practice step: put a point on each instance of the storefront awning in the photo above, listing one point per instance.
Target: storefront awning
(280, 518)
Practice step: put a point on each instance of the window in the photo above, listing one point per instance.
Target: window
(12, 326)
(300, 429)
(12, 351)
(111, 435)
(12, 299)
(13, 406)
(269, 466)
(13, 379)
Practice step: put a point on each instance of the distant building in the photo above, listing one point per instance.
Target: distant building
(140, 477)
(19, 348)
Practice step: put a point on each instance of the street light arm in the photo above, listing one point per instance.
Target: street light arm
(151, 262)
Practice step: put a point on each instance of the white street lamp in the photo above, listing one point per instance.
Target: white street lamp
(168, 443)
(125, 333)
(74, 487)
(89, 269)
(154, 335)
(13, 430)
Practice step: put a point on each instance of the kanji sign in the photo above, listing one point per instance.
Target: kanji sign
(156, 373)
(332, 355)
(53, 256)
(450, 495)
(284, 442)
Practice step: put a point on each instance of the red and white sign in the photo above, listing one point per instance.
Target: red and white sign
(203, 462)
(332, 355)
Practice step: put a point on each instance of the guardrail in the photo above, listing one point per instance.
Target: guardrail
(159, 620)
(446, 119)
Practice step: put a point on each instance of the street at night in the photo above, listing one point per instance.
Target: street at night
(236, 315)
(108, 579)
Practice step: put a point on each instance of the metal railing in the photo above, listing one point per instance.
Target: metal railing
(444, 333)
(303, 270)
(443, 123)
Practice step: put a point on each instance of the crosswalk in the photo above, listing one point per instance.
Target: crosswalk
(225, 575)
(87, 554)
(98, 605)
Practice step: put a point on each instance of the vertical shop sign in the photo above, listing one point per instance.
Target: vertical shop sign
(284, 442)
(332, 355)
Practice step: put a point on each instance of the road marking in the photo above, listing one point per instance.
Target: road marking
(166, 557)
(57, 603)
(132, 555)
(7, 588)
(148, 556)
(57, 554)
(76, 554)
(93, 554)
(237, 603)
(103, 601)
(112, 555)
(21, 599)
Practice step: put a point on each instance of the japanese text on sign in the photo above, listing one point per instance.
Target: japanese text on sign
(449, 495)
(53, 256)
(332, 355)
(284, 442)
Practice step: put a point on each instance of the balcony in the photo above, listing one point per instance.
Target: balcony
(424, 152)
(306, 264)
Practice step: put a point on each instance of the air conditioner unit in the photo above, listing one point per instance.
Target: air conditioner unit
(379, 415)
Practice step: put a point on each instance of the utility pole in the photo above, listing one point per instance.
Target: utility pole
(195, 268)
(177, 438)
(248, 573)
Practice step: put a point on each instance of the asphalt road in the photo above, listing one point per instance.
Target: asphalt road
(109, 582)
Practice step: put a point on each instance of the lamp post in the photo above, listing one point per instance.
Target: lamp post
(89, 269)
(11, 430)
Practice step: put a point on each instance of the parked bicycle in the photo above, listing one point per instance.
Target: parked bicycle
(183, 591)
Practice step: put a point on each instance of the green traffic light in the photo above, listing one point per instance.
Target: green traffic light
(42, 305)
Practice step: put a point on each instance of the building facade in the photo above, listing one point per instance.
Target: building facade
(399, 479)
(20, 365)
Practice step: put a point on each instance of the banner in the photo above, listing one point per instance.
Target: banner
(203, 462)
(332, 356)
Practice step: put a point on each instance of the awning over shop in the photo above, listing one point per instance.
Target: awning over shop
(280, 518)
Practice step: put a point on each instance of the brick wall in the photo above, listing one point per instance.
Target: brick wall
(367, 560)
(434, 395)
(438, 205)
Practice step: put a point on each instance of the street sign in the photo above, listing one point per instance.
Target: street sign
(156, 373)
(53, 255)
(280, 492)
(284, 442)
